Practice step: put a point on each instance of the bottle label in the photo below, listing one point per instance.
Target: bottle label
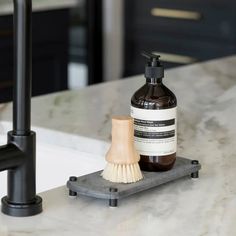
(155, 131)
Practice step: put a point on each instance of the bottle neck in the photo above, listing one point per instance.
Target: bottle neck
(154, 80)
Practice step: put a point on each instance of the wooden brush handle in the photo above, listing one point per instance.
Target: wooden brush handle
(122, 150)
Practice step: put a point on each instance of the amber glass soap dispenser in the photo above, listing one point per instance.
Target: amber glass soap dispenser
(153, 108)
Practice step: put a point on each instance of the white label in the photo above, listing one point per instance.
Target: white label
(155, 131)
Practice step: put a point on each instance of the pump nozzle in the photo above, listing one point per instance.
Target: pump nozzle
(154, 68)
(153, 59)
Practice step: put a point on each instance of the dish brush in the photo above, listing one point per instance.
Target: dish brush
(122, 157)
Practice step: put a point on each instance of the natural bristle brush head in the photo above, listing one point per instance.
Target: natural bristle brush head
(122, 157)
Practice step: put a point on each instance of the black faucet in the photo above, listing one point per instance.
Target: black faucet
(18, 155)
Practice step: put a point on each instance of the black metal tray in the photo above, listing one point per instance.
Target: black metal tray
(93, 185)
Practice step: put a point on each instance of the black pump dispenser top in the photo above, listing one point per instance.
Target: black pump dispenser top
(153, 68)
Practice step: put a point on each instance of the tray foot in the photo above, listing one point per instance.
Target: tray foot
(72, 193)
(113, 202)
(195, 175)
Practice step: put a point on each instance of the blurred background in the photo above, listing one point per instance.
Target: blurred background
(77, 43)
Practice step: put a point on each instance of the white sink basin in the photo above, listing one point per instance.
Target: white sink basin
(55, 163)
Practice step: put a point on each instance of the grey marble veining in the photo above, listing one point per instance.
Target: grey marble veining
(206, 95)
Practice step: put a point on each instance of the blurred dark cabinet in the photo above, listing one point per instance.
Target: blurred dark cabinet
(182, 31)
(86, 38)
(50, 53)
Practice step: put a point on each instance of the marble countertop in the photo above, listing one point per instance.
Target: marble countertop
(206, 131)
(6, 6)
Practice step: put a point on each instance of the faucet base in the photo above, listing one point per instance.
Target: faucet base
(22, 210)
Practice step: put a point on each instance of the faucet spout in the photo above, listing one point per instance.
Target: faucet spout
(18, 157)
